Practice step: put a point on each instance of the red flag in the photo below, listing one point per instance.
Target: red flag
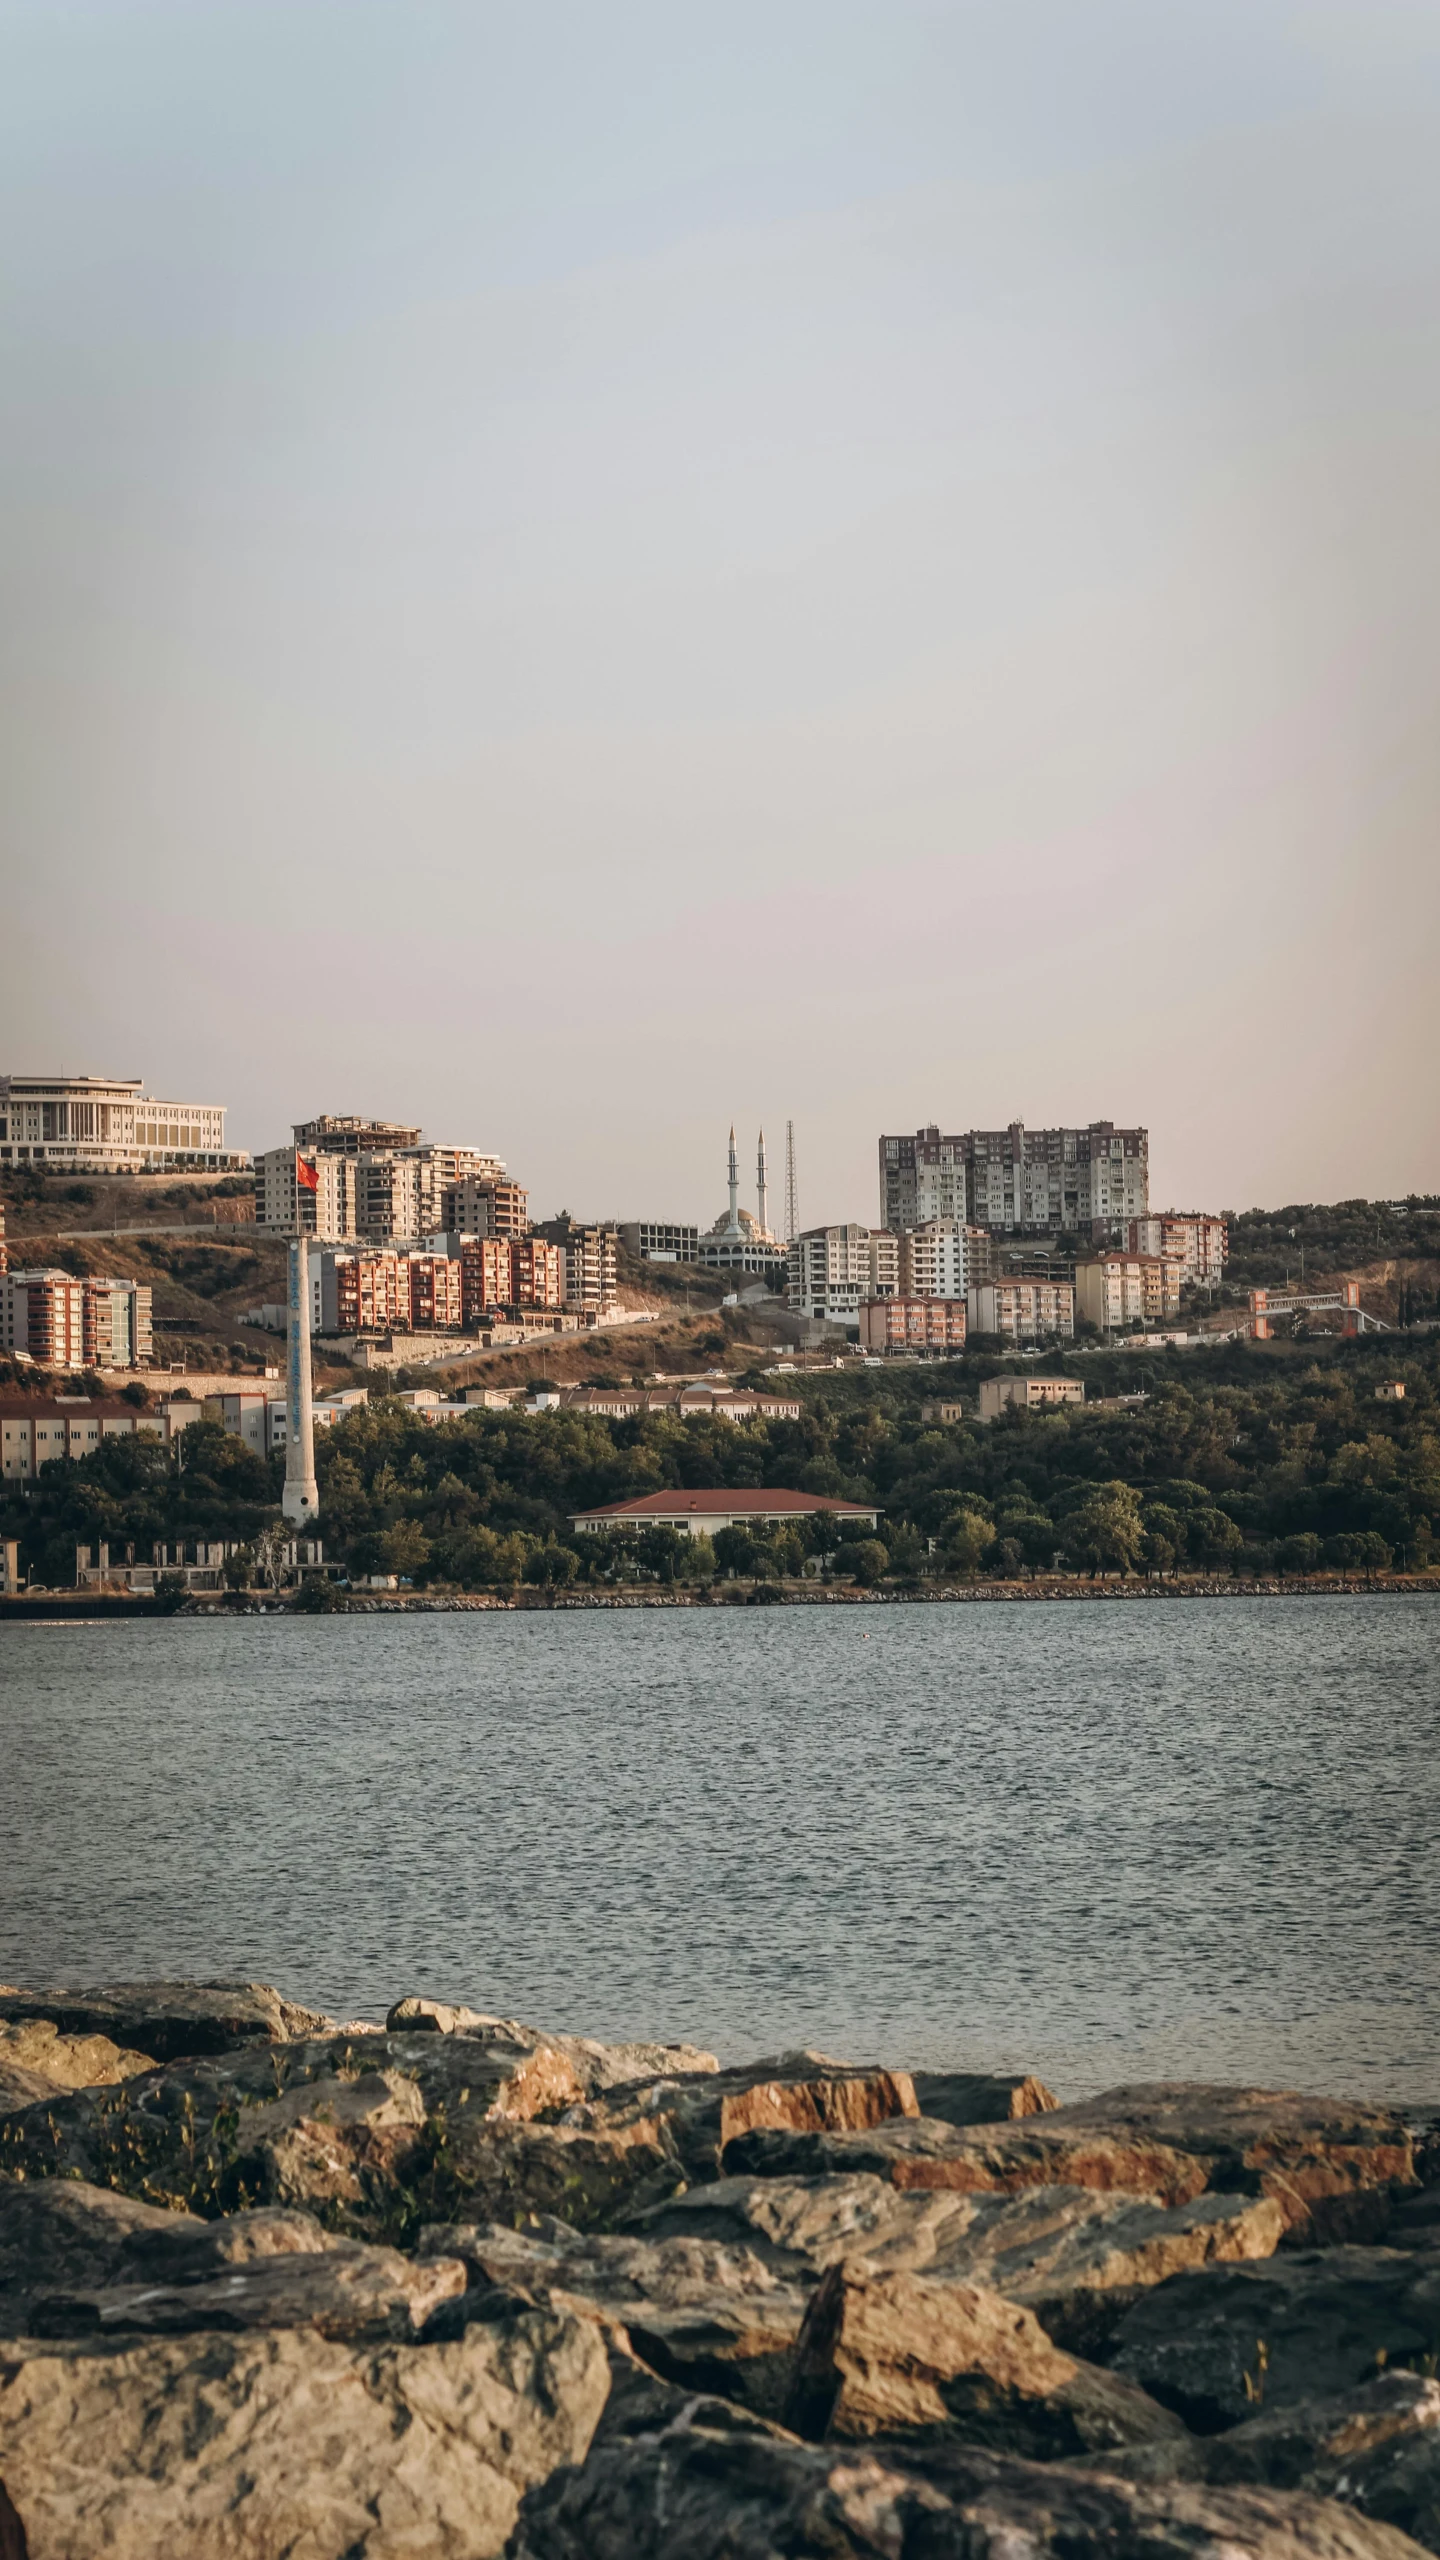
(307, 1175)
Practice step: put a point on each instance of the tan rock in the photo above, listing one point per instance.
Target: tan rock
(67, 2062)
(510, 2172)
(280, 2444)
(597, 2066)
(903, 2356)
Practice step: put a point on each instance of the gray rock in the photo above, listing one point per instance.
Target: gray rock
(702, 2316)
(349, 2290)
(58, 2232)
(171, 2020)
(283, 2442)
(1306, 2324)
(1376, 2447)
(901, 2356)
(981, 2097)
(177, 2250)
(1074, 2256)
(725, 2494)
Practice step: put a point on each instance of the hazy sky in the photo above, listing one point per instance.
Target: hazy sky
(573, 572)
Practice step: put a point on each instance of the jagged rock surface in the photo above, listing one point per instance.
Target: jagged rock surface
(59, 2232)
(1076, 2257)
(350, 2290)
(270, 2446)
(1331, 2167)
(981, 2097)
(722, 2494)
(373, 2133)
(1304, 2325)
(597, 2066)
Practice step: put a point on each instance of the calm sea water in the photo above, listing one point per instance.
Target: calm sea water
(1096, 1842)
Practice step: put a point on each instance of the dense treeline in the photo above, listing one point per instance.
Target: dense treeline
(1260, 1460)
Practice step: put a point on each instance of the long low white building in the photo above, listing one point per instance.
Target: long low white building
(109, 1124)
(701, 1514)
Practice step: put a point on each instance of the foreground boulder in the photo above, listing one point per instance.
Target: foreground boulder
(1219, 2343)
(1376, 2447)
(171, 2020)
(1331, 2167)
(1076, 2257)
(903, 2357)
(373, 2133)
(250, 2447)
(725, 2494)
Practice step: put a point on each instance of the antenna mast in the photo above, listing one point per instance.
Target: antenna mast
(792, 1212)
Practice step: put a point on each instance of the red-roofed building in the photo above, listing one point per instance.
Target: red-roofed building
(729, 1507)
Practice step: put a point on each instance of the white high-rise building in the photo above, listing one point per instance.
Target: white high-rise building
(832, 1270)
(941, 1259)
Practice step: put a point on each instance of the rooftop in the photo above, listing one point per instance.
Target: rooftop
(763, 1500)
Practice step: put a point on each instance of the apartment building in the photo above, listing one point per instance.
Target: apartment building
(831, 1271)
(117, 1324)
(42, 1314)
(660, 1240)
(381, 1291)
(36, 1429)
(1120, 1289)
(590, 1259)
(912, 1324)
(1021, 1310)
(1032, 1395)
(109, 1124)
(484, 1206)
(338, 1180)
(307, 1192)
(942, 1259)
(1018, 1181)
(1198, 1242)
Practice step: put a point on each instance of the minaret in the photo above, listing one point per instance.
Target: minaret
(301, 1498)
(760, 1185)
(734, 1228)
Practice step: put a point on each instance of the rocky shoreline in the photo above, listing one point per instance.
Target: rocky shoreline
(95, 1607)
(275, 2286)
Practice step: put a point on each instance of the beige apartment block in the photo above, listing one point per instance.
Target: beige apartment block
(1117, 1290)
(300, 1191)
(1032, 1395)
(1023, 1310)
(831, 1271)
(591, 1266)
(1198, 1242)
(942, 1259)
(109, 1124)
(484, 1205)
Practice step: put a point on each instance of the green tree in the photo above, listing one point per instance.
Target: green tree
(966, 1540)
(867, 1559)
(1300, 1554)
(405, 1550)
(1106, 1533)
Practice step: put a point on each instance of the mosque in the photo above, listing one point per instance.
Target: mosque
(737, 1242)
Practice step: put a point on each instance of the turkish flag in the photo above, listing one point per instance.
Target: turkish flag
(307, 1175)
